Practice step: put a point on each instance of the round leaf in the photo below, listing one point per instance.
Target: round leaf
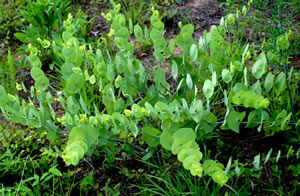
(208, 88)
(41, 83)
(150, 136)
(36, 72)
(138, 32)
(226, 75)
(280, 81)
(75, 83)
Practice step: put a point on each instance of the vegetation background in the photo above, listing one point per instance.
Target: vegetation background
(160, 97)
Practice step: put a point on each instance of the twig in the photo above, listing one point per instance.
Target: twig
(89, 164)
(290, 94)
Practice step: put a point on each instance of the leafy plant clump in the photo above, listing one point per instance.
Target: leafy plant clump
(217, 84)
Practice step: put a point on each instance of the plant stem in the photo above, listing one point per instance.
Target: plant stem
(122, 141)
(289, 91)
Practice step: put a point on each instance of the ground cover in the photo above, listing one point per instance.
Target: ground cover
(129, 98)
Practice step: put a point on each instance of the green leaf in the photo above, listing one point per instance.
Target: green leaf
(45, 44)
(183, 154)
(123, 33)
(119, 105)
(137, 111)
(256, 87)
(41, 83)
(149, 154)
(234, 119)
(220, 177)
(138, 32)
(171, 45)
(83, 105)
(185, 39)
(239, 87)
(188, 28)
(196, 110)
(66, 36)
(34, 118)
(150, 136)
(269, 82)
(55, 171)
(174, 69)
(146, 33)
(160, 80)
(283, 42)
(230, 19)
(285, 121)
(159, 42)
(166, 139)
(67, 70)
(186, 133)
(259, 66)
(117, 117)
(189, 161)
(36, 72)
(92, 79)
(75, 83)
(162, 110)
(250, 99)
(226, 75)
(256, 117)
(68, 118)
(182, 143)
(193, 52)
(214, 78)
(280, 81)
(22, 37)
(134, 129)
(278, 155)
(3, 96)
(256, 161)
(196, 169)
(228, 165)
(68, 52)
(183, 138)
(80, 139)
(215, 170)
(158, 56)
(72, 106)
(189, 81)
(75, 59)
(208, 88)
(268, 155)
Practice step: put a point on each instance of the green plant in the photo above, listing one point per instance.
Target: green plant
(109, 95)
(136, 12)
(111, 191)
(180, 183)
(10, 22)
(44, 17)
(44, 20)
(27, 167)
(268, 165)
(8, 79)
(87, 183)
